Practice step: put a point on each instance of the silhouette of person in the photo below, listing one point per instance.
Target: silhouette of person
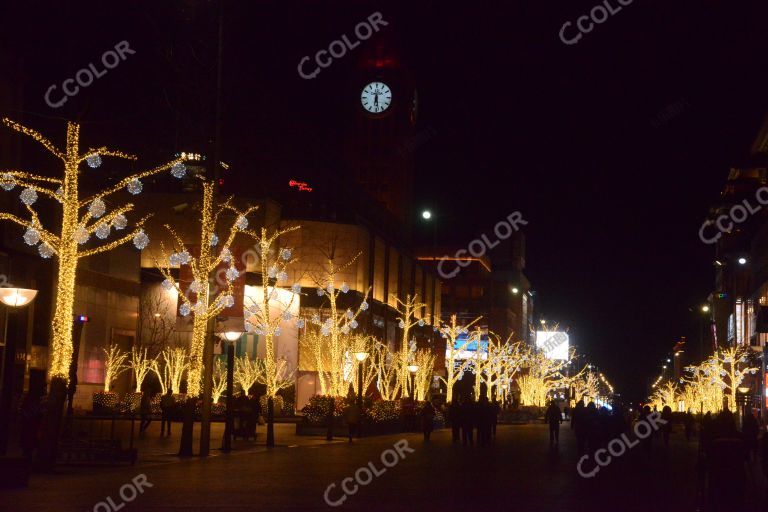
(427, 418)
(554, 418)
(454, 416)
(579, 426)
(666, 428)
(468, 412)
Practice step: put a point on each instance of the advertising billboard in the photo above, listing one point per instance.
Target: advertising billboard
(554, 344)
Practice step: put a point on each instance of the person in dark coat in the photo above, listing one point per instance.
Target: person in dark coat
(749, 432)
(554, 418)
(666, 428)
(167, 405)
(484, 413)
(427, 419)
(454, 415)
(352, 417)
(688, 422)
(578, 424)
(145, 410)
(468, 411)
(725, 466)
(495, 410)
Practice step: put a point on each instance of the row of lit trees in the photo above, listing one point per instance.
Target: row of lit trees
(706, 386)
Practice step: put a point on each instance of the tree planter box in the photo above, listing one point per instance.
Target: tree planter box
(105, 402)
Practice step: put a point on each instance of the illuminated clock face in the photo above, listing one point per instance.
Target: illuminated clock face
(376, 97)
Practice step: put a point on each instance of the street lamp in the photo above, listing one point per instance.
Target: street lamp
(13, 298)
(413, 368)
(742, 261)
(515, 290)
(426, 215)
(231, 337)
(705, 308)
(361, 356)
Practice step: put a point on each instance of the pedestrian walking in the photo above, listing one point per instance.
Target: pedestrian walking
(145, 411)
(579, 426)
(688, 422)
(427, 419)
(454, 416)
(666, 429)
(554, 418)
(167, 406)
(725, 466)
(468, 412)
(484, 413)
(352, 417)
(750, 430)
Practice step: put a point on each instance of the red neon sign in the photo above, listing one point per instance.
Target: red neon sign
(301, 185)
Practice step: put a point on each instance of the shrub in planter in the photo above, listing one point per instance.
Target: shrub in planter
(289, 408)
(219, 409)
(131, 402)
(383, 410)
(316, 411)
(105, 402)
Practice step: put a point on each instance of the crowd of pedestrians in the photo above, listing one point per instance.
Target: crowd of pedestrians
(467, 417)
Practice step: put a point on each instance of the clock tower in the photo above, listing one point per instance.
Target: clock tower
(378, 145)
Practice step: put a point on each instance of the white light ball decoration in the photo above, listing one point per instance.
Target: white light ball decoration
(185, 310)
(345, 329)
(135, 187)
(93, 160)
(300, 323)
(195, 286)
(350, 314)
(272, 272)
(287, 315)
(81, 235)
(141, 240)
(119, 222)
(353, 324)
(7, 181)
(330, 288)
(173, 259)
(278, 331)
(363, 306)
(45, 250)
(241, 223)
(184, 257)
(178, 170)
(214, 240)
(31, 236)
(401, 324)
(59, 193)
(320, 292)
(285, 254)
(282, 276)
(97, 208)
(28, 196)
(232, 274)
(102, 230)
(421, 323)
(226, 255)
(296, 288)
(228, 301)
(167, 284)
(325, 330)
(344, 287)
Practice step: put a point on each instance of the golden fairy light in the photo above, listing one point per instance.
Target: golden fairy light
(212, 252)
(81, 218)
(386, 366)
(503, 362)
(219, 380)
(175, 363)
(422, 379)
(586, 386)
(114, 365)
(452, 332)
(542, 376)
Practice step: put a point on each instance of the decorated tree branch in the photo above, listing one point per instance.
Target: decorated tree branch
(387, 367)
(141, 364)
(247, 372)
(175, 363)
(406, 321)
(219, 380)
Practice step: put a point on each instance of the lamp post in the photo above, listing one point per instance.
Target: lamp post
(13, 298)
(230, 337)
(413, 368)
(361, 357)
(504, 395)
(742, 397)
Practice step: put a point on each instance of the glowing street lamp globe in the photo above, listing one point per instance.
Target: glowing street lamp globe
(17, 297)
(413, 368)
(426, 215)
(230, 336)
(361, 356)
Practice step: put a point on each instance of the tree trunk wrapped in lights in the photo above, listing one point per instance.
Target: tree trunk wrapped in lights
(451, 332)
(247, 372)
(730, 364)
(363, 343)
(114, 365)
(141, 364)
(665, 396)
(586, 386)
(504, 361)
(422, 380)
(407, 321)
(81, 217)
(702, 391)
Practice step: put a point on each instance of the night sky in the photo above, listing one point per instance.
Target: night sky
(567, 135)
